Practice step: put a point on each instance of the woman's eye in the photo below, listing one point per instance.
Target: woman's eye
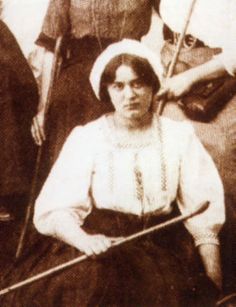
(118, 86)
(137, 84)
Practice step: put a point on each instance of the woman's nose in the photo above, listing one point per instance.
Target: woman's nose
(128, 92)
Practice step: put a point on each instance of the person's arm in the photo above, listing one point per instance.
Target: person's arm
(180, 84)
(65, 202)
(56, 23)
(200, 182)
(210, 255)
(65, 225)
(37, 128)
(228, 55)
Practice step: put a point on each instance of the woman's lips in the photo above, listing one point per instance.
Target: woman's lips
(132, 106)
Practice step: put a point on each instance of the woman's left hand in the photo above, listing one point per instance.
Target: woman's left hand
(175, 87)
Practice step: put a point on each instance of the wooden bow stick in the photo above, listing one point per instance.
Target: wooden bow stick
(227, 300)
(174, 60)
(77, 260)
(54, 73)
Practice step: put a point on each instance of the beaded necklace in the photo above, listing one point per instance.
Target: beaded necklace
(155, 136)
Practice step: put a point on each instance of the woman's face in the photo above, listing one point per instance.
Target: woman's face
(130, 97)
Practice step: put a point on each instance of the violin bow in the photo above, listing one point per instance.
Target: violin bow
(54, 73)
(162, 102)
(181, 218)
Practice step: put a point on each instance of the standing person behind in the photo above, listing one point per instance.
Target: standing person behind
(98, 192)
(89, 27)
(18, 103)
(209, 52)
(24, 19)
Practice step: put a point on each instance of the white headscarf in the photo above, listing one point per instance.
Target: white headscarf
(126, 46)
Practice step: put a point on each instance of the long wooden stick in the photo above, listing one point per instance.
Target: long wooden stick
(225, 299)
(174, 60)
(54, 73)
(77, 260)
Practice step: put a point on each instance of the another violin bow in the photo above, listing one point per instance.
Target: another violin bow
(201, 208)
(54, 73)
(174, 60)
(227, 300)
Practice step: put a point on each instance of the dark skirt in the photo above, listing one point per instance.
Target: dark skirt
(219, 137)
(73, 101)
(162, 269)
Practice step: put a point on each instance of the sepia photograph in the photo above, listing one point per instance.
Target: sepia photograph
(118, 153)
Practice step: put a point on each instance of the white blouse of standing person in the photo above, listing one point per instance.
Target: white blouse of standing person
(24, 18)
(133, 163)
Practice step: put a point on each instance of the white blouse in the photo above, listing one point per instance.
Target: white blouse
(97, 167)
(212, 21)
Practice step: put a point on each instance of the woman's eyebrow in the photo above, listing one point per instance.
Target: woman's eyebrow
(130, 81)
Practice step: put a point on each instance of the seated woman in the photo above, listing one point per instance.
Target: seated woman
(116, 176)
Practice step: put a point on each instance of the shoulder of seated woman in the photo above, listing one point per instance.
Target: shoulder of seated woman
(179, 126)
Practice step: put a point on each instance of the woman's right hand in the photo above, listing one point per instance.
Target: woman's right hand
(93, 245)
(175, 87)
(37, 129)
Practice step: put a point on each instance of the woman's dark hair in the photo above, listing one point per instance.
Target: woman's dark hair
(139, 65)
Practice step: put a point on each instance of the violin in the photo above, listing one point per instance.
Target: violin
(206, 99)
